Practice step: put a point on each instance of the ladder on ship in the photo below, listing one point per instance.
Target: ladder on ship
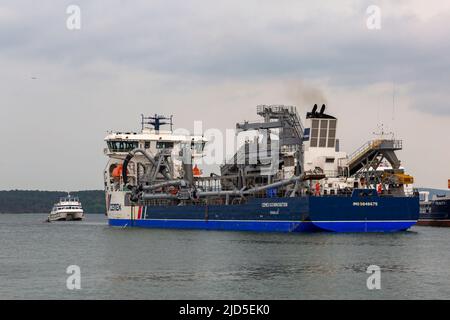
(371, 154)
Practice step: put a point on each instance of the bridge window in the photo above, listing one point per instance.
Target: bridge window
(198, 147)
(122, 146)
(164, 145)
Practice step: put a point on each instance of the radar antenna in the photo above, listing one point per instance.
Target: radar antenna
(157, 121)
(381, 133)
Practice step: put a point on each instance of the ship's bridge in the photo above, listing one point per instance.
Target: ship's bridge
(124, 142)
(153, 153)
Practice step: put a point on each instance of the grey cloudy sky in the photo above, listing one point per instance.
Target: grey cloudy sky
(215, 61)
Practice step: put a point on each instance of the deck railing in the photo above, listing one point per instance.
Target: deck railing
(375, 145)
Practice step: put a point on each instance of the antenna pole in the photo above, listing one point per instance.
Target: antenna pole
(393, 101)
(393, 109)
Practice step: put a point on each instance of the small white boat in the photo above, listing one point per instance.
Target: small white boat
(68, 208)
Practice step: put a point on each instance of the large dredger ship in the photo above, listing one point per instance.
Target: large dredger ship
(290, 178)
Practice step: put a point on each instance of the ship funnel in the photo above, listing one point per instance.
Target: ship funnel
(314, 109)
(322, 110)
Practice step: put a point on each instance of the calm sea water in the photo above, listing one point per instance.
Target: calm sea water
(172, 264)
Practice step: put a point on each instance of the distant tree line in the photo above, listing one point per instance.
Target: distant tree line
(33, 201)
(93, 201)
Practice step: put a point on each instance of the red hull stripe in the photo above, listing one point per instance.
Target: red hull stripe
(434, 223)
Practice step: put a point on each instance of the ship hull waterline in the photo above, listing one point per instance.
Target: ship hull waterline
(268, 226)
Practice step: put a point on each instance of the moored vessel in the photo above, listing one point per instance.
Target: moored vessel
(290, 178)
(66, 209)
(434, 211)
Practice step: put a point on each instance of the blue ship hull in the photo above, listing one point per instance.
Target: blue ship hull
(358, 213)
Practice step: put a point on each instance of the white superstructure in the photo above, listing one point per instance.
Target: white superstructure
(321, 146)
(68, 208)
(374, 165)
(155, 142)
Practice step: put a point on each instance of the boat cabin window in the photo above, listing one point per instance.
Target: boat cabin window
(164, 145)
(122, 146)
(198, 146)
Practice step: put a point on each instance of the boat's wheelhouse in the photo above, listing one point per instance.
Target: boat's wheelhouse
(152, 141)
(67, 204)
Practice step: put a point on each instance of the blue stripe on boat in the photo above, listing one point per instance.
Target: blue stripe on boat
(236, 225)
(268, 225)
(364, 226)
